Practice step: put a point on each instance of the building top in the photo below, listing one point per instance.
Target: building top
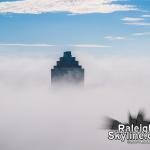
(67, 54)
(67, 71)
(67, 61)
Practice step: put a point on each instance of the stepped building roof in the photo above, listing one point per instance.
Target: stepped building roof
(67, 70)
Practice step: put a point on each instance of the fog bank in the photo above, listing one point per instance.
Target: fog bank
(36, 117)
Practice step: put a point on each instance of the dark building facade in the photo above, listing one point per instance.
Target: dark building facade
(67, 71)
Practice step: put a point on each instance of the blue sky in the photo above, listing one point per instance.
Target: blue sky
(103, 26)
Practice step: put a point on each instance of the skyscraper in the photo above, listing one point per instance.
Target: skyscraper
(67, 71)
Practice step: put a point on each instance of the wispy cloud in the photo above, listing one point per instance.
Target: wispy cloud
(26, 45)
(135, 21)
(115, 37)
(141, 34)
(130, 37)
(71, 6)
(52, 45)
(146, 16)
(138, 23)
(131, 19)
(90, 46)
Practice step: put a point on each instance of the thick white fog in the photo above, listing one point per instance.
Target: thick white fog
(35, 117)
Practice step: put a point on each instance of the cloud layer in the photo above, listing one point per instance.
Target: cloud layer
(90, 46)
(136, 21)
(141, 34)
(26, 45)
(115, 37)
(35, 117)
(71, 6)
(52, 45)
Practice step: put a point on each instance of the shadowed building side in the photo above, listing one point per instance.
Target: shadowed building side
(67, 71)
